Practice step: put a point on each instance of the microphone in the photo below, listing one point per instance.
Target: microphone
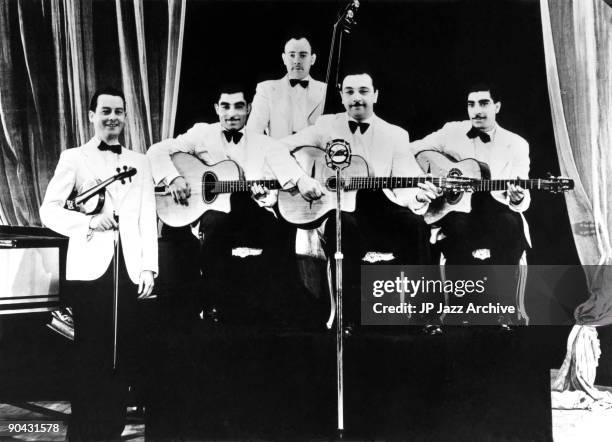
(338, 154)
(349, 16)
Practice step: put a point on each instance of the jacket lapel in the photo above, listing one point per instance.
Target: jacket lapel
(501, 154)
(381, 148)
(282, 105)
(341, 129)
(94, 160)
(316, 91)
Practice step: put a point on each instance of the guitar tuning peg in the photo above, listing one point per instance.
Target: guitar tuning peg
(118, 169)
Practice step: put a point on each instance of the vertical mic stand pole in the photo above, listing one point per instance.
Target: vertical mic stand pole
(115, 292)
(338, 157)
(339, 327)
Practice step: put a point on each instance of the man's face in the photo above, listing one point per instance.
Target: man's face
(298, 58)
(109, 118)
(233, 110)
(358, 96)
(482, 110)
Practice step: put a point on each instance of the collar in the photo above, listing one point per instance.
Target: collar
(239, 130)
(95, 142)
(368, 121)
(307, 78)
(491, 132)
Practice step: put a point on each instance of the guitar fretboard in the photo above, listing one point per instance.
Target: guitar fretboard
(238, 185)
(357, 183)
(528, 184)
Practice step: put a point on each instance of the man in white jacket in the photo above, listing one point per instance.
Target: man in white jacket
(247, 223)
(388, 219)
(285, 106)
(496, 219)
(98, 401)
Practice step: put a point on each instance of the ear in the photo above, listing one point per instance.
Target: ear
(497, 107)
(216, 108)
(284, 57)
(375, 97)
(248, 108)
(91, 116)
(314, 58)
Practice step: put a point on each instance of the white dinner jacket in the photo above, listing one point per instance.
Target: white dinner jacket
(133, 202)
(389, 153)
(509, 156)
(271, 110)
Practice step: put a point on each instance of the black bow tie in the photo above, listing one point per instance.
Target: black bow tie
(473, 133)
(232, 135)
(353, 125)
(303, 83)
(114, 148)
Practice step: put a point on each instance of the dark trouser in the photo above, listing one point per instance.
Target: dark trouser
(491, 225)
(99, 395)
(376, 225)
(264, 285)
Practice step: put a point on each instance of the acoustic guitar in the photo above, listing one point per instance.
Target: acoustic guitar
(211, 188)
(476, 178)
(308, 214)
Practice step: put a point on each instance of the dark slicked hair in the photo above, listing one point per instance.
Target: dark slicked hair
(234, 87)
(93, 104)
(352, 72)
(485, 86)
(298, 36)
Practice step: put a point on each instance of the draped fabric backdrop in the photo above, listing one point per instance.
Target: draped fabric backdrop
(578, 50)
(50, 65)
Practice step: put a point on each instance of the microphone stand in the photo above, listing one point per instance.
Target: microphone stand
(338, 157)
(346, 17)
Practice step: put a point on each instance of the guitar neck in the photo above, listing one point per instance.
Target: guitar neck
(489, 185)
(241, 186)
(358, 183)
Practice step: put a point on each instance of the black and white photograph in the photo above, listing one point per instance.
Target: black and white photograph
(306, 220)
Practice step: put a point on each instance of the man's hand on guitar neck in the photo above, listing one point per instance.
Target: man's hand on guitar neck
(180, 190)
(515, 193)
(309, 188)
(263, 196)
(428, 192)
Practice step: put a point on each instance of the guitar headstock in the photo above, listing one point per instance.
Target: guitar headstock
(557, 184)
(127, 172)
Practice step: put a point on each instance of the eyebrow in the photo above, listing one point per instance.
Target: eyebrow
(226, 103)
(361, 88)
(483, 101)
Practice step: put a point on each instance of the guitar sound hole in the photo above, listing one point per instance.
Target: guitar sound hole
(208, 184)
(331, 183)
(453, 197)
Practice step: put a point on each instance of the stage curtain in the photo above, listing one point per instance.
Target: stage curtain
(150, 55)
(578, 49)
(53, 55)
(45, 77)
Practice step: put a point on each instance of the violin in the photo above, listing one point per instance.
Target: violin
(91, 200)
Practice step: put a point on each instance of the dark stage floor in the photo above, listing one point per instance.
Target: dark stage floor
(206, 382)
